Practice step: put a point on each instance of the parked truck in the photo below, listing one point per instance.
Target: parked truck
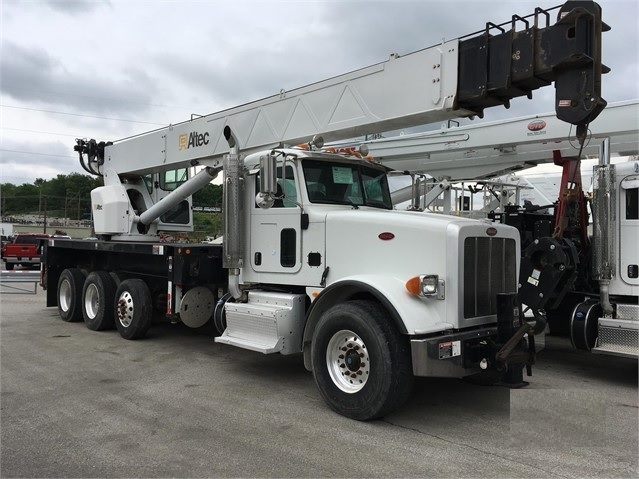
(25, 249)
(315, 260)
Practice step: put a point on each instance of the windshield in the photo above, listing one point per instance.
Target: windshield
(345, 183)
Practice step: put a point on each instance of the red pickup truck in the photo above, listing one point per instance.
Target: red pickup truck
(25, 250)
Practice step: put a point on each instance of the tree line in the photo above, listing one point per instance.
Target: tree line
(69, 196)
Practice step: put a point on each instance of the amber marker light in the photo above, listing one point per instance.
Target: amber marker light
(414, 286)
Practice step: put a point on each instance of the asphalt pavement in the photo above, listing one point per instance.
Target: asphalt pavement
(78, 403)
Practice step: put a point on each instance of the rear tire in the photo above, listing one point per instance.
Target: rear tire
(70, 295)
(361, 363)
(9, 266)
(98, 297)
(133, 309)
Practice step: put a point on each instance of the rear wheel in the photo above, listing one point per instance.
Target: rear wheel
(70, 294)
(361, 363)
(133, 309)
(97, 304)
(10, 266)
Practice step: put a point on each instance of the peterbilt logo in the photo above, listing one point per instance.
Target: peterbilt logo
(193, 140)
(536, 125)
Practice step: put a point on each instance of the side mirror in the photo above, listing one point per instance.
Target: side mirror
(268, 181)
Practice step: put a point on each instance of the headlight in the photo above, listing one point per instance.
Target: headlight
(426, 285)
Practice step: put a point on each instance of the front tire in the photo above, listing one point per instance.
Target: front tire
(361, 363)
(70, 295)
(133, 309)
(98, 297)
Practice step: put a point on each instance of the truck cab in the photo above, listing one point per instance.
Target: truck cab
(287, 239)
(327, 234)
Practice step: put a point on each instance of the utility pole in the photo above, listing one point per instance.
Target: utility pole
(66, 201)
(45, 214)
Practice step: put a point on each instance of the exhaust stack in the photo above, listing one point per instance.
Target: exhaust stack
(604, 225)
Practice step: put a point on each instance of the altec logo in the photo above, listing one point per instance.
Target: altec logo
(193, 140)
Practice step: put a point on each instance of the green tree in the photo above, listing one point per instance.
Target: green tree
(210, 195)
(70, 193)
(7, 195)
(207, 224)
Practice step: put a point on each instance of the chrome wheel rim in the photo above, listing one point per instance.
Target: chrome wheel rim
(347, 361)
(64, 299)
(91, 301)
(125, 309)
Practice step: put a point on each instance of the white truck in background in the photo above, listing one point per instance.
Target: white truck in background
(315, 260)
(596, 298)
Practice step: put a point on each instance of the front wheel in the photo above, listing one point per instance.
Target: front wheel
(133, 309)
(361, 363)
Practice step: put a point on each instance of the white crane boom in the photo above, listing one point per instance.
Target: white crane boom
(341, 107)
(457, 78)
(487, 150)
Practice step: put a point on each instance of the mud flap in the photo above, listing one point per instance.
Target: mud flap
(514, 352)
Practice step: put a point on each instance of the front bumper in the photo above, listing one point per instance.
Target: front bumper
(453, 355)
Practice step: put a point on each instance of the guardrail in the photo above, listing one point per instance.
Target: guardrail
(14, 282)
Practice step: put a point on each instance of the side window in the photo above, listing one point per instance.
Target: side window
(286, 188)
(148, 181)
(170, 180)
(632, 204)
(287, 247)
(289, 189)
(179, 214)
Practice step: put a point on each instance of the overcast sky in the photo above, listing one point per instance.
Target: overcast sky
(108, 69)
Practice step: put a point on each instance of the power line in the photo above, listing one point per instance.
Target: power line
(38, 131)
(36, 153)
(79, 114)
(74, 193)
(119, 100)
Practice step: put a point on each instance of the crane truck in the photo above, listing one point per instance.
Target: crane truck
(315, 260)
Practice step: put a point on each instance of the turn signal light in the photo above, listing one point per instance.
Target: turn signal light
(413, 285)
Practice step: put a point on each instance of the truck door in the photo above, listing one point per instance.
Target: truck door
(629, 230)
(276, 240)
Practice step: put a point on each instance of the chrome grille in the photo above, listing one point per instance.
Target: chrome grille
(489, 268)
